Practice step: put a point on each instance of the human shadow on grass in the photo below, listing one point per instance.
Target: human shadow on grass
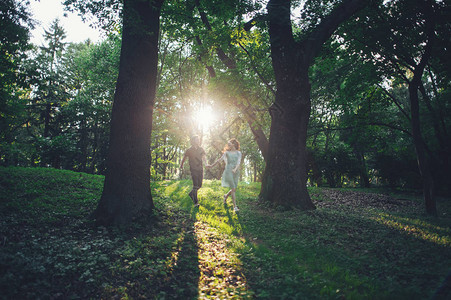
(154, 257)
(182, 279)
(156, 261)
(182, 275)
(229, 213)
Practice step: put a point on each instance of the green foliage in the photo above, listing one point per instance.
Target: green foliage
(106, 12)
(65, 120)
(14, 36)
(361, 99)
(87, 116)
(14, 31)
(47, 91)
(393, 37)
(355, 245)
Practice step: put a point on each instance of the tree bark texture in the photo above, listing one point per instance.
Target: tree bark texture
(423, 163)
(126, 193)
(422, 159)
(285, 178)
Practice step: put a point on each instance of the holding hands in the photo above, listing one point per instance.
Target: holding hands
(234, 170)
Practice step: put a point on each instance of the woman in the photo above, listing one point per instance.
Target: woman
(232, 157)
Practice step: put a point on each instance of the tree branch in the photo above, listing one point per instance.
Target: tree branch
(266, 82)
(258, 18)
(395, 101)
(230, 63)
(314, 41)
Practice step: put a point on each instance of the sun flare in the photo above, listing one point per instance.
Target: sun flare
(204, 117)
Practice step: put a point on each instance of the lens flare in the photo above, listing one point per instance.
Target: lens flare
(204, 117)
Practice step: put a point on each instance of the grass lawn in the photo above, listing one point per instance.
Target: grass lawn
(355, 245)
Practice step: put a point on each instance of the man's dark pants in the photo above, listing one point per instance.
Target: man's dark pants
(197, 176)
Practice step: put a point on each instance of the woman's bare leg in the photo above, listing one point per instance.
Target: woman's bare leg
(233, 197)
(229, 192)
(227, 195)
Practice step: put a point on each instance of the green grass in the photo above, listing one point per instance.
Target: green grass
(356, 246)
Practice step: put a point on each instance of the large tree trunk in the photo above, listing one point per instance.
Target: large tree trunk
(285, 178)
(423, 163)
(126, 193)
(414, 86)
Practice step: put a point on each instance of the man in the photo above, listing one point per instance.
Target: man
(196, 156)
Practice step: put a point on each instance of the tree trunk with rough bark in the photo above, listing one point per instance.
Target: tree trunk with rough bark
(423, 163)
(418, 141)
(285, 178)
(126, 193)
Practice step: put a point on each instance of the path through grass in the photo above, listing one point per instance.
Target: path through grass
(354, 246)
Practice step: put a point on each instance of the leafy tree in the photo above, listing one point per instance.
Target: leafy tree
(46, 70)
(218, 40)
(399, 38)
(284, 181)
(93, 72)
(14, 41)
(345, 108)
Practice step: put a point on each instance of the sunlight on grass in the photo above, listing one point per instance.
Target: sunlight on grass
(221, 270)
(419, 229)
(214, 212)
(207, 252)
(259, 252)
(218, 233)
(175, 189)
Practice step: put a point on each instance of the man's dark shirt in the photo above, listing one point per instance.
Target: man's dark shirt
(195, 158)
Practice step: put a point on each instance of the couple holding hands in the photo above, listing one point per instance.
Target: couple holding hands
(231, 156)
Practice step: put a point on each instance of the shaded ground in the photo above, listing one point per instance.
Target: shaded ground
(356, 199)
(355, 245)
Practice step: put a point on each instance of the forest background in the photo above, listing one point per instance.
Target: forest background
(215, 79)
(370, 78)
